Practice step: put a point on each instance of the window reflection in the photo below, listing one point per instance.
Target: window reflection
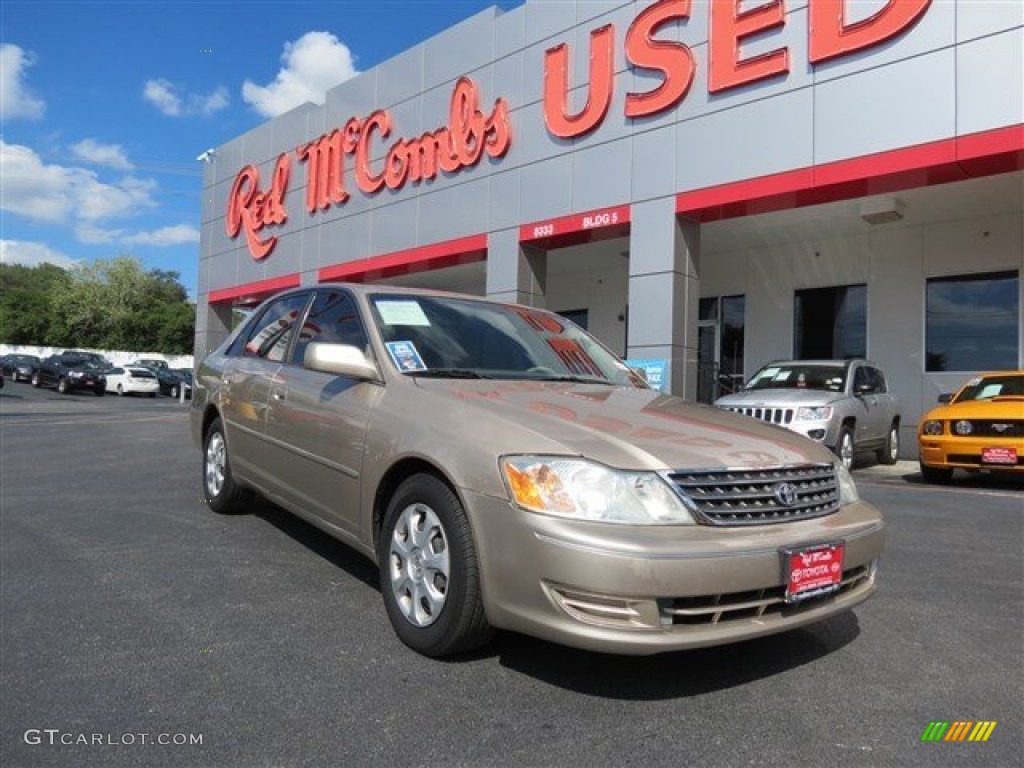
(972, 322)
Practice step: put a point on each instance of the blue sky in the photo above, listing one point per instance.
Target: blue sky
(104, 108)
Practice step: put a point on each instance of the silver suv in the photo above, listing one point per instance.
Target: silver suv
(845, 404)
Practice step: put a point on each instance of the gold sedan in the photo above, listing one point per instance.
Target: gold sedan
(981, 427)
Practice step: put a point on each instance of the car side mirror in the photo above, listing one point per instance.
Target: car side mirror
(340, 359)
(946, 397)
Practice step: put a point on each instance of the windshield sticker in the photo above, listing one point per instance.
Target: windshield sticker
(405, 355)
(402, 313)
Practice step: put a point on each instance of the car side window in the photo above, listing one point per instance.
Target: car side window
(861, 379)
(271, 334)
(333, 319)
(878, 381)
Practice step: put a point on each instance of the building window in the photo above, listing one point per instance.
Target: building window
(971, 322)
(720, 342)
(831, 323)
(578, 316)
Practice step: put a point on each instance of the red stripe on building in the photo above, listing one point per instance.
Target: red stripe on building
(586, 227)
(938, 162)
(465, 250)
(254, 292)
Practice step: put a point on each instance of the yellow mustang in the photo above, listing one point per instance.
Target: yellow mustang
(980, 427)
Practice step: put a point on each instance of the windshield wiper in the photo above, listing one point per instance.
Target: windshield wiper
(572, 379)
(449, 373)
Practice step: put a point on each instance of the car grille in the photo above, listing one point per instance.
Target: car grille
(755, 496)
(771, 415)
(740, 606)
(996, 428)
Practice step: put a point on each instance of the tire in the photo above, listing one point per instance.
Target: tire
(152, 394)
(889, 453)
(174, 392)
(936, 474)
(35, 380)
(120, 390)
(62, 386)
(844, 446)
(99, 391)
(222, 494)
(434, 601)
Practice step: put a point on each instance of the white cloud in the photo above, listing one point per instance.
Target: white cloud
(174, 102)
(56, 194)
(314, 63)
(111, 155)
(179, 234)
(16, 100)
(32, 254)
(162, 94)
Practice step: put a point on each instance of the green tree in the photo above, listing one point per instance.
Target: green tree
(108, 304)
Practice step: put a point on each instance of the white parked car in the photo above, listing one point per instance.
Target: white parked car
(133, 380)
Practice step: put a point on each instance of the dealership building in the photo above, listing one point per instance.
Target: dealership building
(705, 186)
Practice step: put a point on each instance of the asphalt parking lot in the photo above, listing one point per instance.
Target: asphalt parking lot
(130, 612)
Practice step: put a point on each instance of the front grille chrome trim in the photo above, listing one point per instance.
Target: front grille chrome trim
(748, 496)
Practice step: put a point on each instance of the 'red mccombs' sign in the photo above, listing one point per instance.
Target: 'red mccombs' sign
(469, 135)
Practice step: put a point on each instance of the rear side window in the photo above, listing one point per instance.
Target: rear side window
(272, 332)
(333, 319)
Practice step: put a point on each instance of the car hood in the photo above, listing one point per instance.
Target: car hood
(759, 398)
(1010, 407)
(622, 427)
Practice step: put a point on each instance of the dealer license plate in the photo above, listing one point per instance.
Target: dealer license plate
(813, 571)
(998, 455)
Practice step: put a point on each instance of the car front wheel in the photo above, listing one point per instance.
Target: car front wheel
(62, 386)
(223, 494)
(428, 570)
(35, 380)
(889, 453)
(844, 447)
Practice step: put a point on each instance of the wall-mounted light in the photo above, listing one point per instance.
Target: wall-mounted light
(881, 210)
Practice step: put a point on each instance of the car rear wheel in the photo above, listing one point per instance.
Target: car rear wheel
(429, 574)
(223, 494)
(936, 474)
(889, 453)
(62, 386)
(35, 380)
(99, 391)
(120, 390)
(844, 446)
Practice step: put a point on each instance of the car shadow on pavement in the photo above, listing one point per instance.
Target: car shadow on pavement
(665, 676)
(311, 537)
(673, 675)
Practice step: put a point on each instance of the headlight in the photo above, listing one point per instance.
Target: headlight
(820, 413)
(75, 374)
(584, 490)
(963, 428)
(932, 428)
(847, 488)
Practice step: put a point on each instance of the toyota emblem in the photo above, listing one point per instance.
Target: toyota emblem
(785, 494)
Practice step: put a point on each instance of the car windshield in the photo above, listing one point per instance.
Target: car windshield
(460, 338)
(24, 359)
(992, 387)
(828, 378)
(78, 363)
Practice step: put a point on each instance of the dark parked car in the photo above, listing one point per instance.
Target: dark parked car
(185, 377)
(68, 372)
(170, 381)
(99, 362)
(19, 367)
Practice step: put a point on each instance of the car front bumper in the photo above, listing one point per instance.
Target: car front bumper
(651, 589)
(948, 452)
